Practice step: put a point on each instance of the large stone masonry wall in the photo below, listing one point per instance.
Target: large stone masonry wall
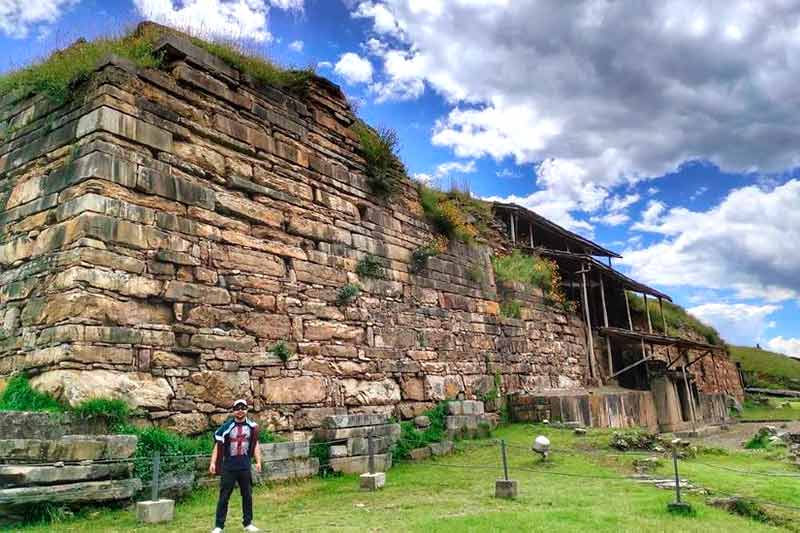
(159, 234)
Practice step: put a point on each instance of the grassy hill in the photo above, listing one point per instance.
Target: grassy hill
(767, 369)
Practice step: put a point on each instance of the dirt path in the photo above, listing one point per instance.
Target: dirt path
(733, 437)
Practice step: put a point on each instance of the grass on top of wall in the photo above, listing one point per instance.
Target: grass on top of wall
(766, 369)
(455, 214)
(56, 76)
(677, 319)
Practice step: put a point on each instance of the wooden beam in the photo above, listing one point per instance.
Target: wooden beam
(698, 358)
(530, 232)
(587, 317)
(663, 318)
(628, 309)
(637, 363)
(689, 395)
(647, 312)
(605, 323)
(513, 228)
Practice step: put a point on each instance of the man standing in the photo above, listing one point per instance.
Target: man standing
(236, 444)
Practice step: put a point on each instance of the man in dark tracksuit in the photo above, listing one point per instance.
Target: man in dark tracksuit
(236, 445)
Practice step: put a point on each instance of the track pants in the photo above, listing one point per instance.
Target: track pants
(226, 483)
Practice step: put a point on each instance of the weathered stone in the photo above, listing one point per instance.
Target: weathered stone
(69, 448)
(155, 512)
(267, 326)
(23, 476)
(247, 209)
(284, 450)
(297, 468)
(312, 417)
(226, 342)
(135, 388)
(177, 291)
(293, 390)
(355, 420)
(419, 454)
(111, 120)
(358, 392)
(422, 421)
(319, 231)
(372, 482)
(390, 430)
(360, 464)
(87, 492)
(217, 387)
(186, 423)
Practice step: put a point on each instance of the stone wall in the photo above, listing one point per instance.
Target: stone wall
(163, 230)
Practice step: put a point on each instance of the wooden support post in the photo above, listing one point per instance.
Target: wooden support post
(628, 309)
(689, 395)
(587, 317)
(663, 318)
(513, 228)
(530, 232)
(605, 323)
(647, 312)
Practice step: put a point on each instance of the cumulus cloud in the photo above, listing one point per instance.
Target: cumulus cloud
(226, 19)
(354, 68)
(627, 91)
(444, 170)
(296, 46)
(738, 323)
(790, 347)
(17, 17)
(748, 243)
(324, 64)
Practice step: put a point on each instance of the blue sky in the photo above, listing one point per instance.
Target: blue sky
(666, 131)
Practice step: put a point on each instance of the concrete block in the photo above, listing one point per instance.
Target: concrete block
(505, 488)
(155, 512)
(372, 482)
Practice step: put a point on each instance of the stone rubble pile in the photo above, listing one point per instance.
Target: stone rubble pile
(62, 469)
(349, 438)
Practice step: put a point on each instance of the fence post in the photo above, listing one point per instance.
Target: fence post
(505, 459)
(505, 488)
(677, 506)
(372, 480)
(155, 510)
(371, 452)
(156, 474)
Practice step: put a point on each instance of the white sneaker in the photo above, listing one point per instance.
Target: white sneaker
(216, 530)
(251, 528)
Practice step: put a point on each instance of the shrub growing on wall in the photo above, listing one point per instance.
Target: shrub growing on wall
(369, 267)
(378, 147)
(420, 256)
(533, 271)
(347, 293)
(455, 214)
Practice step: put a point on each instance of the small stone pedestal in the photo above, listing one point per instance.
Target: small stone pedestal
(679, 508)
(373, 482)
(505, 488)
(155, 512)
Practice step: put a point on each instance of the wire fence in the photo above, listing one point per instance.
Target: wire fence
(519, 462)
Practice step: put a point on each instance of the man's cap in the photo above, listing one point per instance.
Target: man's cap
(240, 402)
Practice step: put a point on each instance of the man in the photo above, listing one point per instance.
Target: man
(236, 445)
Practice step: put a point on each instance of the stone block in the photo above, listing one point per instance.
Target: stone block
(87, 492)
(23, 476)
(339, 450)
(419, 454)
(422, 421)
(372, 482)
(354, 420)
(360, 445)
(284, 450)
(505, 488)
(361, 392)
(137, 389)
(312, 417)
(389, 430)
(110, 120)
(295, 468)
(178, 291)
(294, 390)
(445, 447)
(155, 512)
(360, 464)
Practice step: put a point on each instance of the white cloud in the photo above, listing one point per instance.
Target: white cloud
(324, 64)
(614, 88)
(738, 323)
(17, 17)
(225, 19)
(747, 243)
(354, 68)
(790, 347)
(611, 219)
(698, 193)
(444, 170)
(296, 46)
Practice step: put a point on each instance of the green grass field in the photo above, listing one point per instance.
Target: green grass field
(582, 488)
(767, 369)
(777, 409)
